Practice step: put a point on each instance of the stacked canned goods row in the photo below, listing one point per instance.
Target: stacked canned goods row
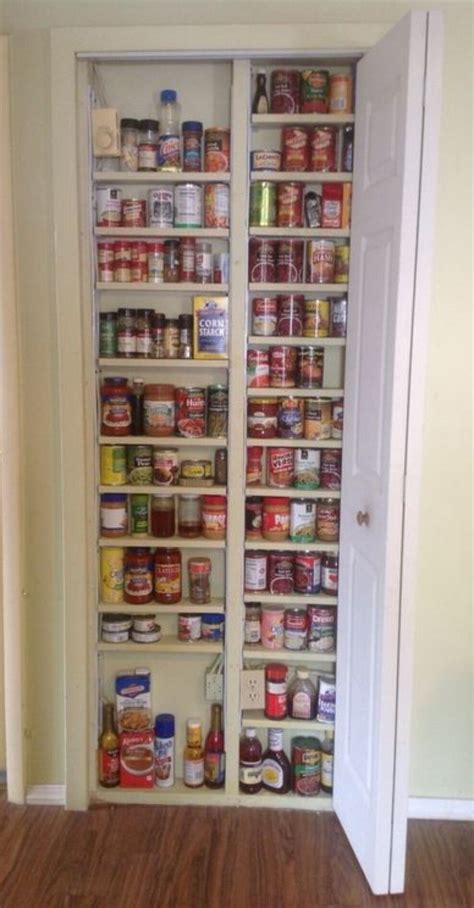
(309, 772)
(291, 315)
(138, 576)
(283, 261)
(161, 261)
(162, 517)
(146, 465)
(144, 628)
(301, 520)
(184, 205)
(293, 204)
(311, 418)
(323, 149)
(162, 410)
(140, 147)
(285, 573)
(310, 91)
(294, 628)
(297, 468)
(281, 366)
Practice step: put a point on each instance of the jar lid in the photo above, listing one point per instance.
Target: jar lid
(250, 732)
(212, 619)
(168, 96)
(278, 671)
(199, 565)
(113, 496)
(149, 125)
(254, 451)
(129, 123)
(162, 389)
(164, 725)
(192, 126)
(214, 499)
(115, 380)
(254, 499)
(284, 502)
(302, 673)
(157, 498)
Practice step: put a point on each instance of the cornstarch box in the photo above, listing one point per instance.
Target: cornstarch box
(211, 327)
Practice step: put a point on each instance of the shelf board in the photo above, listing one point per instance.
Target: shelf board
(295, 392)
(164, 441)
(285, 655)
(180, 794)
(255, 718)
(315, 289)
(173, 542)
(289, 442)
(118, 176)
(286, 493)
(257, 340)
(301, 232)
(180, 287)
(214, 607)
(288, 546)
(167, 644)
(292, 599)
(165, 490)
(300, 176)
(302, 119)
(291, 801)
(216, 233)
(121, 362)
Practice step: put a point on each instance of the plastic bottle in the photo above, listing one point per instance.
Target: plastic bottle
(276, 769)
(327, 762)
(164, 750)
(193, 757)
(302, 696)
(214, 754)
(169, 144)
(250, 765)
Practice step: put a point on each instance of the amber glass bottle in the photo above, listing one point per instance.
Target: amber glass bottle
(109, 766)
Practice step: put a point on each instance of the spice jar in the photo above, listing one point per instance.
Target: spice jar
(113, 515)
(185, 329)
(129, 139)
(199, 575)
(158, 334)
(171, 261)
(217, 411)
(171, 339)
(158, 410)
(144, 339)
(276, 519)
(163, 516)
(252, 623)
(203, 265)
(214, 516)
(126, 333)
(108, 334)
(220, 467)
(276, 676)
(168, 576)
(192, 146)
(156, 263)
(187, 259)
(115, 406)
(189, 516)
(148, 145)
(138, 576)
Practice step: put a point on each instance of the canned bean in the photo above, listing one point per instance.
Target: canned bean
(160, 206)
(308, 573)
(310, 366)
(139, 466)
(302, 520)
(282, 367)
(216, 205)
(331, 469)
(280, 573)
(285, 91)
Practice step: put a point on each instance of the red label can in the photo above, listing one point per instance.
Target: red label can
(285, 91)
(308, 573)
(280, 467)
(275, 690)
(290, 205)
(134, 213)
(282, 367)
(320, 260)
(323, 148)
(290, 315)
(190, 412)
(264, 315)
(187, 259)
(295, 149)
(281, 573)
(262, 260)
(258, 368)
(330, 474)
(289, 263)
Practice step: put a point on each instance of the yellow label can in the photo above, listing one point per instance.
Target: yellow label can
(111, 574)
(113, 465)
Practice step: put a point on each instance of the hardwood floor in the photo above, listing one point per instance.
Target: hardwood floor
(167, 857)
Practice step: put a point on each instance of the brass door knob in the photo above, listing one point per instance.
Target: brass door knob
(363, 518)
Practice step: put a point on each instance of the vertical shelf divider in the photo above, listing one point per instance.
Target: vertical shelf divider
(240, 118)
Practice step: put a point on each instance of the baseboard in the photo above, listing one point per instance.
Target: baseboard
(54, 795)
(441, 809)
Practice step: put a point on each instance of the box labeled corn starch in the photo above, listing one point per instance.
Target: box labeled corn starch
(211, 327)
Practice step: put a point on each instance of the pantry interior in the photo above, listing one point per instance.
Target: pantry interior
(129, 84)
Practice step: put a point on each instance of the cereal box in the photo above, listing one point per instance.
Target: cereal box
(211, 327)
(133, 700)
(137, 759)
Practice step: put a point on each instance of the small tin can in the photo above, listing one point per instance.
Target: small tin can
(317, 418)
(337, 419)
(264, 316)
(316, 318)
(306, 766)
(190, 412)
(290, 417)
(265, 160)
(160, 206)
(262, 260)
(139, 468)
(281, 573)
(285, 91)
(165, 466)
(114, 623)
(189, 627)
(295, 635)
(331, 463)
(302, 520)
(217, 149)
(295, 150)
(282, 367)
(151, 636)
(310, 365)
(280, 467)
(289, 261)
(340, 93)
(320, 258)
(113, 465)
(108, 206)
(255, 572)
(327, 520)
(290, 205)
(263, 208)
(272, 626)
(323, 149)
(290, 315)
(188, 205)
(144, 623)
(338, 327)
(196, 469)
(307, 468)
(321, 629)
(308, 573)
(216, 205)
(114, 636)
(329, 573)
(258, 368)
(314, 91)
(134, 212)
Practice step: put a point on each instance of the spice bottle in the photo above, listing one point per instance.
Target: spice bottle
(250, 762)
(185, 326)
(129, 137)
(214, 754)
(252, 631)
(220, 467)
(192, 145)
(109, 764)
(327, 762)
(260, 103)
(164, 750)
(193, 756)
(199, 573)
(302, 696)
(276, 769)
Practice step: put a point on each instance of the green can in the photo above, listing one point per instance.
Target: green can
(139, 465)
(263, 204)
(139, 524)
(107, 334)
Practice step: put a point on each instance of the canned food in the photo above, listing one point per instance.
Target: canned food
(331, 461)
(253, 517)
(272, 626)
(338, 317)
(308, 573)
(290, 315)
(295, 634)
(276, 678)
(139, 521)
(108, 206)
(302, 520)
(307, 467)
(255, 572)
(216, 205)
(340, 93)
(321, 629)
(310, 366)
(285, 91)
(254, 471)
(289, 261)
(165, 466)
(113, 623)
(187, 205)
(320, 258)
(160, 206)
(139, 261)
(111, 574)
(217, 411)
(329, 573)
(290, 205)
(280, 467)
(217, 149)
(281, 573)
(212, 627)
(295, 152)
(317, 418)
(143, 623)
(265, 160)
(139, 465)
(341, 263)
(327, 520)
(113, 468)
(313, 203)
(262, 260)
(290, 417)
(151, 636)
(105, 262)
(316, 318)
(323, 149)
(262, 417)
(263, 208)
(196, 469)
(115, 636)
(282, 367)
(258, 368)
(306, 766)
(314, 90)
(264, 315)
(190, 412)
(189, 627)
(134, 212)
(337, 419)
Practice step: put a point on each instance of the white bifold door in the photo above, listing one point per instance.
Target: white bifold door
(369, 798)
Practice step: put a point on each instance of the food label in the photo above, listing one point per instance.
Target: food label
(250, 773)
(303, 521)
(327, 768)
(164, 751)
(111, 574)
(188, 205)
(193, 772)
(322, 628)
(114, 518)
(214, 768)
(109, 766)
(255, 573)
(272, 774)
(158, 415)
(210, 327)
(280, 467)
(167, 579)
(308, 573)
(169, 155)
(301, 708)
(160, 206)
(138, 582)
(307, 463)
(133, 700)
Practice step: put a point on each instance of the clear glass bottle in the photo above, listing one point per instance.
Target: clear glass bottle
(129, 140)
(302, 696)
(193, 756)
(189, 516)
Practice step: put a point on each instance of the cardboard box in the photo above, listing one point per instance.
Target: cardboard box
(137, 759)
(346, 204)
(133, 700)
(210, 327)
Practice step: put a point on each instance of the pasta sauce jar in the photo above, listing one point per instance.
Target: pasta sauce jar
(116, 407)
(168, 576)
(138, 576)
(262, 417)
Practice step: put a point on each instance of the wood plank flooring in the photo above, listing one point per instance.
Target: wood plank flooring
(175, 857)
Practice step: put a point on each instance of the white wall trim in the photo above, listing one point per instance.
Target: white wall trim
(51, 795)
(441, 809)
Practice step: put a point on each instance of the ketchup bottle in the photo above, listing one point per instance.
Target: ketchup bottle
(214, 754)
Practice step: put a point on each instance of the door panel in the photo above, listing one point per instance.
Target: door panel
(388, 142)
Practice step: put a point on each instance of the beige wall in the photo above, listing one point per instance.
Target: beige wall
(441, 755)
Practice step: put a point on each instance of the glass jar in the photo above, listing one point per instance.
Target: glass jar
(126, 333)
(189, 516)
(203, 266)
(302, 696)
(252, 632)
(168, 576)
(199, 575)
(171, 338)
(276, 676)
(108, 335)
(185, 328)
(144, 338)
(329, 573)
(187, 259)
(214, 513)
(171, 264)
(158, 410)
(113, 515)
(148, 145)
(156, 263)
(163, 516)
(115, 407)
(253, 517)
(276, 519)
(327, 520)
(158, 334)
(129, 141)
(138, 576)
(192, 146)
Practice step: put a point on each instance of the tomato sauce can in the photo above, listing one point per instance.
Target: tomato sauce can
(327, 520)
(317, 418)
(289, 261)
(190, 412)
(308, 573)
(282, 367)
(295, 150)
(331, 462)
(108, 206)
(307, 468)
(323, 149)
(216, 205)
(310, 366)
(314, 91)
(262, 260)
(160, 206)
(280, 467)
(290, 205)
(320, 260)
(272, 627)
(281, 573)
(262, 417)
(316, 318)
(134, 212)
(295, 633)
(188, 205)
(285, 91)
(189, 627)
(258, 368)
(217, 149)
(340, 93)
(290, 417)
(264, 316)
(306, 766)
(255, 572)
(263, 207)
(321, 629)
(290, 315)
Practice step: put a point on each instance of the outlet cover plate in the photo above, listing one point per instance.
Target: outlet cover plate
(252, 689)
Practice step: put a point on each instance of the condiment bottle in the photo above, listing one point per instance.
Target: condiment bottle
(164, 750)
(260, 103)
(214, 754)
(193, 756)
(109, 763)
(250, 762)
(302, 696)
(276, 703)
(327, 761)
(276, 769)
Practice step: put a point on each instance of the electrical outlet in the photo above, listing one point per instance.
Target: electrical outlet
(252, 689)
(214, 687)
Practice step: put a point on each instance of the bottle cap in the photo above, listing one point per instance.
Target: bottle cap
(302, 673)
(168, 96)
(128, 123)
(250, 732)
(192, 126)
(164, 725)
(193, 723)
(275, 739)
(112, 496)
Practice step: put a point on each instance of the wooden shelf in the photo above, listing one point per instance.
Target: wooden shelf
(180, 287)
(312, 233)
(288, 442)
(129, 489)
(180, 794)
(315, 289)
(300, 176)
(292, 599)
(173, 542)
(285, 655)
(295, 392)
(288, 546)
(257, 340)
(121, 362)
(214, 607)
(216, 233)
(167, 644)
(267, 491)
(164, 441)
(255, 718)
(291, 801)
(117, 176)
(302, 119)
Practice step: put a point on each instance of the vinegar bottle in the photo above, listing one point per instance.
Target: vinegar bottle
(214, 754)
(250, 765)
(327, 762)
(260, 102)
(193, 757)
(169, 142)
(109, 766)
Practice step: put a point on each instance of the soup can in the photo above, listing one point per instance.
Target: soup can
(310, 365)
(165, 466)
(320, 258)
(340, 93)
(327, 520)
(307, 468)
(263, 209)
(295, 629)
(331, 461)
(262, 260)
(105, 262)
(290, 315)
(280, 467)
(321, 629)
(262, 417)
(216, 205)
(272, 626)
(255, 572)
(306, 766)
(308, 573)
(217, 149)
(188, 205)
(264, 316)
(134, 212)
(302, 520)
(282, 366)
(323, 149)
(190, 412)
(281, 573)
(160, 206)
(285, 91)
(316, 318)
(314, 91)
(290, 205)
(317, 418)
(290, 417)
(289, 261)
(258, 368)
(295, 152)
